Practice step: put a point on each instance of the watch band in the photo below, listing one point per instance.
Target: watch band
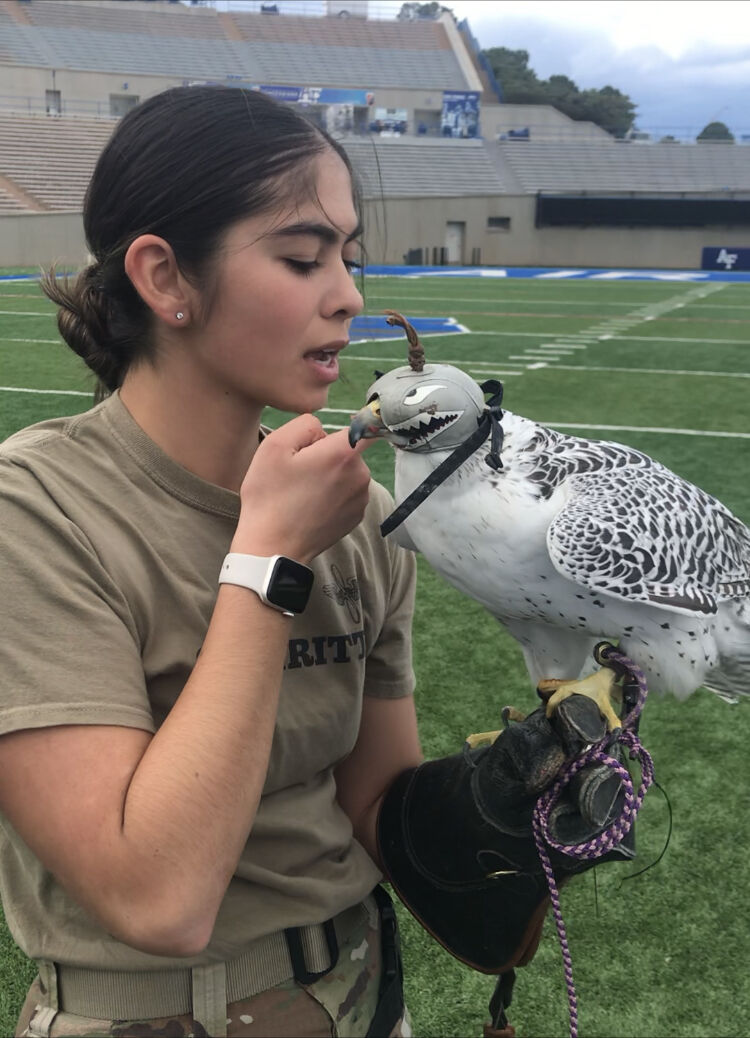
(279, 582)
(248, 571)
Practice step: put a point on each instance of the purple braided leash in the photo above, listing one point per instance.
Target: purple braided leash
(609, 838)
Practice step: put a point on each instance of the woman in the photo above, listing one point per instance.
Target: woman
(190, 771)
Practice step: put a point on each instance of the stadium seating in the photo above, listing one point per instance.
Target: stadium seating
(411, 168)
(206, 44)
(30, 146)
(614, 166)
(200, 24)
(51, 160)
(9, 204)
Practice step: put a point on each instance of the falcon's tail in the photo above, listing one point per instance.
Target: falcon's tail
(731, 679)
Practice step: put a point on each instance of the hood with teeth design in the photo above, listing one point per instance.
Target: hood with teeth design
(434, 409)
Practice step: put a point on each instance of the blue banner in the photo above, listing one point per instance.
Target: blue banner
(318, 95)
(726, 257)
(307, 95)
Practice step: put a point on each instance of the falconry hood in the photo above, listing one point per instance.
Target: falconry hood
(433, 409)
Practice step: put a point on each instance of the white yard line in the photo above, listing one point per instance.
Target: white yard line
(46, 342)
(536, 355)
(656, 339)
(401, 361)
(440, 300)
(352, 410)
(51, 392)
(489, 370)
(618, 428)
(27, 313)
(654, 371)
(494, 367)
(650, 429)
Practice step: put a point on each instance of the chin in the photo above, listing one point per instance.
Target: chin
(306, 403)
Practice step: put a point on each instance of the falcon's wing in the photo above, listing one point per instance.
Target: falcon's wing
(645, 535)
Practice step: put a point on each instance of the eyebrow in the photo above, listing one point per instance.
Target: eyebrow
(323, 231)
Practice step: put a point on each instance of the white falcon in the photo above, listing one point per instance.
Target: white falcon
(571, 541)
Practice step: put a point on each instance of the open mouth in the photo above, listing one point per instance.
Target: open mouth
(424, 430)
(323, 356)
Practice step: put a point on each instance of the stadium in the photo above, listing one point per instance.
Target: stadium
(602, 280)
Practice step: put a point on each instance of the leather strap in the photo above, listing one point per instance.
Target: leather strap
(487, 425)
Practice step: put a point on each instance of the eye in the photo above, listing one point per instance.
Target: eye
(303, 267)
(418, 394)
(353, 266)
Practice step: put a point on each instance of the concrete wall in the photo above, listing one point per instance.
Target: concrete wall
(395, 226)
(40, 239)
(543, 121)
(82, 93)
(87, 93)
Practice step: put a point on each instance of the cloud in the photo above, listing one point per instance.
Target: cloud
(673, 94)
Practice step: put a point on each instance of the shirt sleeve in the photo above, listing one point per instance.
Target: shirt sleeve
(70, 651)
(390, 673)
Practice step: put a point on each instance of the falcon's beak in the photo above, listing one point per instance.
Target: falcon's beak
(366, 424)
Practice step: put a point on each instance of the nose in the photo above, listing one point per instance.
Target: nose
(344, 298)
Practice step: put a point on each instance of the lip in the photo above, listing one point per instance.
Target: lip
(337, 345)
(328, 371)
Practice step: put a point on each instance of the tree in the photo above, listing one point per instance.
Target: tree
(519, 83)
(715, 132)
(608, 107)
(410, 11)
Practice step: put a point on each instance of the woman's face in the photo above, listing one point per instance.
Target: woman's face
(284, 300)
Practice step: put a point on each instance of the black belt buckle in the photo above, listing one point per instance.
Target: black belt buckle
(297, 954)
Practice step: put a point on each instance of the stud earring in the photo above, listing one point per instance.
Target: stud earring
(179, 315)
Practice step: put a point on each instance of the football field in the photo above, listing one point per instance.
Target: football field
(663, 366)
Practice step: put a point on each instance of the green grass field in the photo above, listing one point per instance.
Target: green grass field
(663, 366)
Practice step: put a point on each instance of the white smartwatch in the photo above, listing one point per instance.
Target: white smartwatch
(278, 581)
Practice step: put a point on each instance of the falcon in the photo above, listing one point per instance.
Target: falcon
(566, 541)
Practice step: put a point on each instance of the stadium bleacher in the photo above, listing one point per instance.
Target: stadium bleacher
(204, 43)
(614, 166)
(9, 203)
(50, 160)
(394, 168)
(199, 23)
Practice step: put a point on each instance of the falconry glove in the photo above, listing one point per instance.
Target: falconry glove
(455, 834)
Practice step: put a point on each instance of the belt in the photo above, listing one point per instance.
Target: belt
(129, 995)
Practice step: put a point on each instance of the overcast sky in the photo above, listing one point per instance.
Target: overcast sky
(683, 63)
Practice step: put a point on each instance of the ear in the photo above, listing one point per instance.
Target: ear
(151, 266)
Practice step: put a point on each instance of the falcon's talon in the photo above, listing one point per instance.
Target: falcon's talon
(601, 687)
(511, 713)
(480, 738)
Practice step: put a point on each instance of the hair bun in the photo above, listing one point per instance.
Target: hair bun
(83, 318)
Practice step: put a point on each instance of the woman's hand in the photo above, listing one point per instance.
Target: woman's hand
(303, 492)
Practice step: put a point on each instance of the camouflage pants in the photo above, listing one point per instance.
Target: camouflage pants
(341, 1003)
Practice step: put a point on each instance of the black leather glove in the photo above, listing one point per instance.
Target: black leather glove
(455, 834)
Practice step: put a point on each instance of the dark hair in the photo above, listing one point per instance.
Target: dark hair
(185, 165)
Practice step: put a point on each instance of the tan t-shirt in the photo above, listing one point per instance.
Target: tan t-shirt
(109, 555)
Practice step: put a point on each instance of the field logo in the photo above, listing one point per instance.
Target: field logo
(727, 258)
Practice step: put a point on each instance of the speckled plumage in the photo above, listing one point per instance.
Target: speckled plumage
(576, 540)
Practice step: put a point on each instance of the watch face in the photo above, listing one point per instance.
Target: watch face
(290, 585)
